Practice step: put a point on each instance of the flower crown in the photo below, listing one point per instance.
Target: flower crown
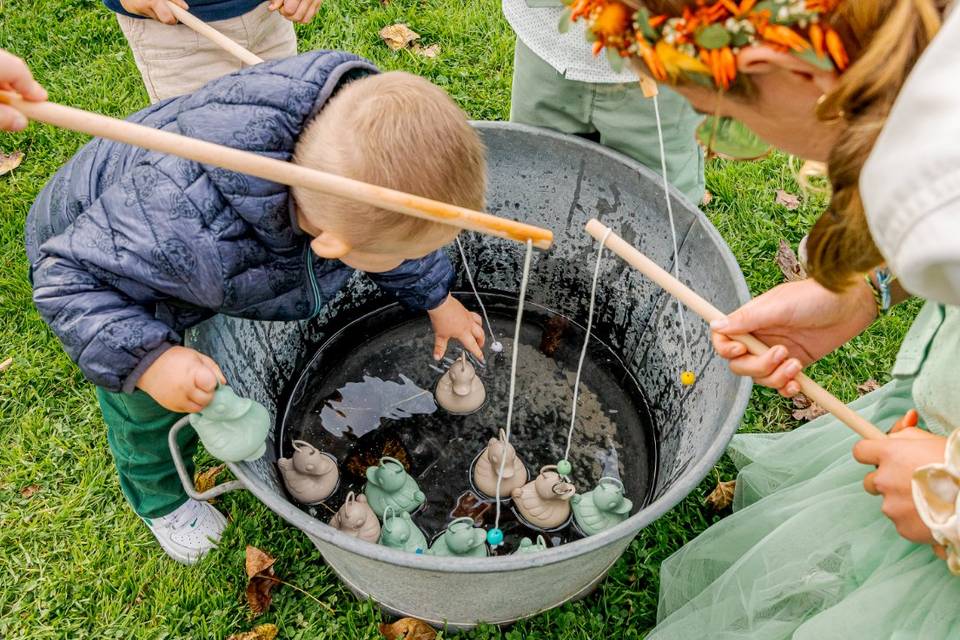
(702, 40)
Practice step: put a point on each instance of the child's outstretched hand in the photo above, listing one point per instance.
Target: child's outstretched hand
(301, 11)
(156, 9)
(182, 380)
(452, 320)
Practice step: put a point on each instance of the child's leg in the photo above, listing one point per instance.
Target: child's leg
(137, 433)
(542, 97)
(627, 123)
(174, 60)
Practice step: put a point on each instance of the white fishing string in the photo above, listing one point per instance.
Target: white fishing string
(586, 343)
(513, 371)
(495, 345)
(673, 230)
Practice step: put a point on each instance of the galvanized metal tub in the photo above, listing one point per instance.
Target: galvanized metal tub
(559, 182)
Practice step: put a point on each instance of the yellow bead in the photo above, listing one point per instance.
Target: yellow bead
(687, 378)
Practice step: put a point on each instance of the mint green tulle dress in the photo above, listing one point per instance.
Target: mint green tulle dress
(807, 554)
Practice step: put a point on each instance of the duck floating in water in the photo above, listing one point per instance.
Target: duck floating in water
(232, 428)
(401, 532)
(529, 546)
(545, 502)
(601, 508)
(460, 390)
(356, 518)
(389, 485)
(461, 538)
(488, 466)
(310, 475)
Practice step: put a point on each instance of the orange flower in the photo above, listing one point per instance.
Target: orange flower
(613, 20)
(816, 37)
(729, 65)
(597, 47)
(836, 49)
(785, 36)
(649, 56)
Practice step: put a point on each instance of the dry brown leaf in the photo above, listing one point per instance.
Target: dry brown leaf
(706, 199)
(28, 491)
(788, 200)
(869, 386)
(398, 36)
(469, 504)
(207, 479)
(806, 409)
(427, 52)
(6, 364)
(10, 161)
(722, 495)
(408, 629)
(260, 579)
(789, 264)
(259, 632)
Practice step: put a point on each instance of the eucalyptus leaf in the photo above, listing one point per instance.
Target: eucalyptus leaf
(729, 138)
(615, 59)
(564, 25)
(809, 55)
(643, 17)
(713, 37)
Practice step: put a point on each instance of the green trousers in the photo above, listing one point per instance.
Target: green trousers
(137, 429)
(617, 114)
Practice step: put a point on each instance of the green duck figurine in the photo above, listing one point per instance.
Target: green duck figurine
(399, 531)
(462, 539)
(603, 507)
(232, 428)
(529, 546)
(389, 485)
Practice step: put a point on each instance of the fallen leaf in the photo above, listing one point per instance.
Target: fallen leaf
(408, 629)
(427, 52)
(10, 161)
(369, 456)
(6, 364)
(788, 200)
(470, 505)
(707, 198)
(261, 579)
(259, 632)
(29, 490)
(722, 495)
(207, 479)
(552, 336)
(363, 405)
(869, 386)
(806, 409)
(398, 36)
(789, 264)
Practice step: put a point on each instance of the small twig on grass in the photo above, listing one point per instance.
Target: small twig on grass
(296, 588)
(6, 364)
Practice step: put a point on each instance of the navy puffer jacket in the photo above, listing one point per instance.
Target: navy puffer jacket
(128, 247)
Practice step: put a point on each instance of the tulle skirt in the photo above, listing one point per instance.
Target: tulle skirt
(807, 554)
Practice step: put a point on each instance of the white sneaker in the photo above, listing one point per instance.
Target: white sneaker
(190, 532)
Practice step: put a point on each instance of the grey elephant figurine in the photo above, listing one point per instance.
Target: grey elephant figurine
(310, 475)
(461, 538)
(389, 485)
(401, 532)
(356, 518)
(601, 508)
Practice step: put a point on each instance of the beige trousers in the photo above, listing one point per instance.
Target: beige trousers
(175, 60)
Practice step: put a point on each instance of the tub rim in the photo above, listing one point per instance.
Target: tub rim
(571, 550)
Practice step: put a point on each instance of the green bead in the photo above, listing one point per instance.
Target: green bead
(713, 37)
(564, 467)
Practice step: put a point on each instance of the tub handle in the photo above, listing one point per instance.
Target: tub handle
(181, 467)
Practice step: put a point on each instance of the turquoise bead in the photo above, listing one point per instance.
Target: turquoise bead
(564, 467)
(494, 537)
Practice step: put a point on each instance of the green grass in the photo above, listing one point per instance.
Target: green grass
(76, 562)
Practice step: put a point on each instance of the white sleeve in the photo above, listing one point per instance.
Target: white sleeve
(910, 184)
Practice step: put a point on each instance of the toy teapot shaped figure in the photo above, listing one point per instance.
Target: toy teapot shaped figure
(389, 485)
(601, 508)
(461, 538)
(460, 390)
(357, 519)
(488, 467)
(545, 502)
(232, 428)
(400, 532)
(529, 546)
(310, 475)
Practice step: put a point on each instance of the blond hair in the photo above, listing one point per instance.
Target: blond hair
(884, 39)
(395, 130)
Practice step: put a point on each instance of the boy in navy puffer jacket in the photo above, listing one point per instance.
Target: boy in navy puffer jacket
(128, 248)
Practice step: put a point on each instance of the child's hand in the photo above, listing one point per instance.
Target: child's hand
(896, 458)
(301, 11)
(15, 75)
(801, 321)
(182, 380)
(452, 320)
(156, 9)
